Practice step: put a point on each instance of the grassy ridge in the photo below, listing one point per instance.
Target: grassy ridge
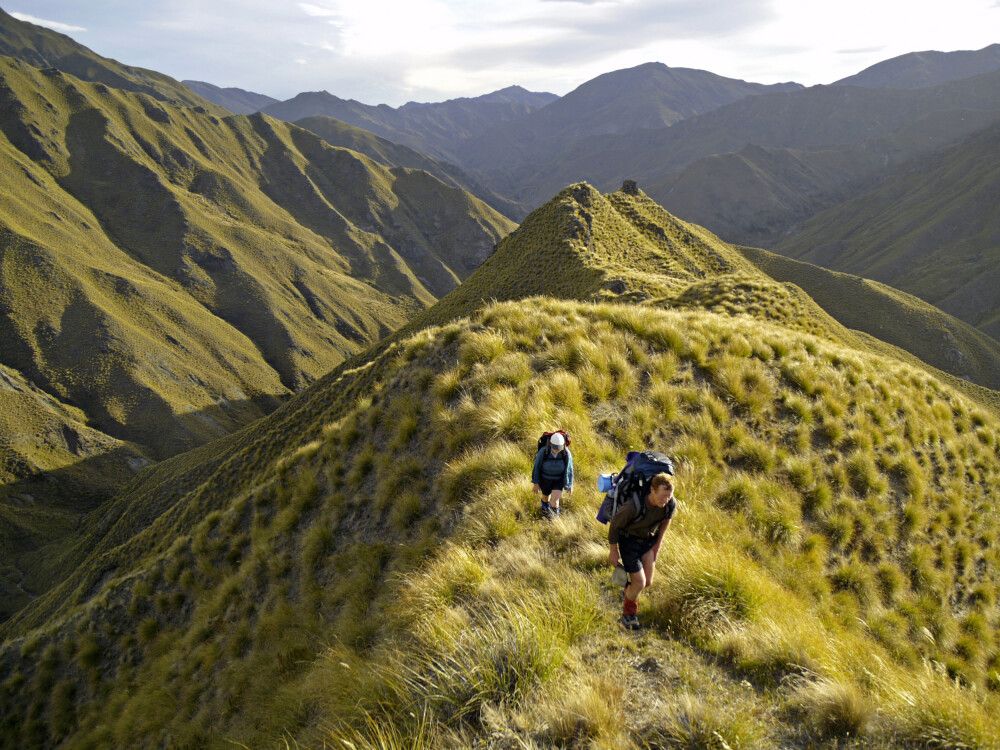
(833, 507)
(372, 548)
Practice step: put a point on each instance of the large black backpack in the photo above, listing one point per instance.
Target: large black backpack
(632, 482)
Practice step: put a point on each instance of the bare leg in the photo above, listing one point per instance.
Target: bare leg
(555, 497)
(648, 564)
(636, 583)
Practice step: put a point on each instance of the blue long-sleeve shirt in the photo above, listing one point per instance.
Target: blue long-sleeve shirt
(551, 467)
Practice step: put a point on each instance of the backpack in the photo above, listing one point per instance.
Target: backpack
(543, 445)
(633, 481)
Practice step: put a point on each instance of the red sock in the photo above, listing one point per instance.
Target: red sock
(630, 606)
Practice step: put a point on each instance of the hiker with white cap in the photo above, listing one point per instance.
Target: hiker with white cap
(553, 471)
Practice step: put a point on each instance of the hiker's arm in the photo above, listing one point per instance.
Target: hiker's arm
(659, 537)
(536, 472)
(614, 558)
(569, 471)
(619, 522)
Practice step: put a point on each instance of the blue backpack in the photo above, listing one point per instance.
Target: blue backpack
(633, 481)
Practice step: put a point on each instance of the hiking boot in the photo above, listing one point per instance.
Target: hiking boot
(546, 510)
(630, 622)
(556, 512)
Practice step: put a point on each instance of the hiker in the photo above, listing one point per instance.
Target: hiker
(553, 472)
(635, 535)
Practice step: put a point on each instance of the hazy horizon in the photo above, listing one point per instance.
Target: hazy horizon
(384, 52)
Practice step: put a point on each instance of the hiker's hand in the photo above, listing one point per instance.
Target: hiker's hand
(535, 488)
(614, 558)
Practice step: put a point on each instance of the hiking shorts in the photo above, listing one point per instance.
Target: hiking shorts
(631, 549)
(548, 485)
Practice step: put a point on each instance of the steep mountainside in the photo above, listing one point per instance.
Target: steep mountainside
(932, 228)
(191, 262)
(372, 546)
(433, 129)
(167, 276)
(44, 48)
(929, 68)
(53, 468)
(237, 101)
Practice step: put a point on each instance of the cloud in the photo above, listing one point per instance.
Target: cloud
(862, 50)
(559, 39)
(316, 10)
(65, 28)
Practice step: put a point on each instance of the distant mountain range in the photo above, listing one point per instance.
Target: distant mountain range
(237, 101)
(920, 69)
(750, 162)
(433, 129)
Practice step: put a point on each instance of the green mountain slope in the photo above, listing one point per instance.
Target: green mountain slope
(44, 48)
(238, 101)
(53, 469)
(211, 259)
(167, 276)
(928, 68)
(371, 547)
(931, 228)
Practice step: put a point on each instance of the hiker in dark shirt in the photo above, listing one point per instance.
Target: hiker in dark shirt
(635, 535)
(552, 474)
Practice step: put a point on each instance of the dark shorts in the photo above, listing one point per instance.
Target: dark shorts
(631, 549)
(548, 485)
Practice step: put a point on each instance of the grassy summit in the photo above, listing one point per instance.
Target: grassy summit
(365, 564)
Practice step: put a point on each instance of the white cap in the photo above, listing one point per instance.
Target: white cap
(557, 440)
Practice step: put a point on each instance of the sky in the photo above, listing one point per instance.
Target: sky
(393, 51)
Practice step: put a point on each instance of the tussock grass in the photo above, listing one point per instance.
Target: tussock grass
(419, 563)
